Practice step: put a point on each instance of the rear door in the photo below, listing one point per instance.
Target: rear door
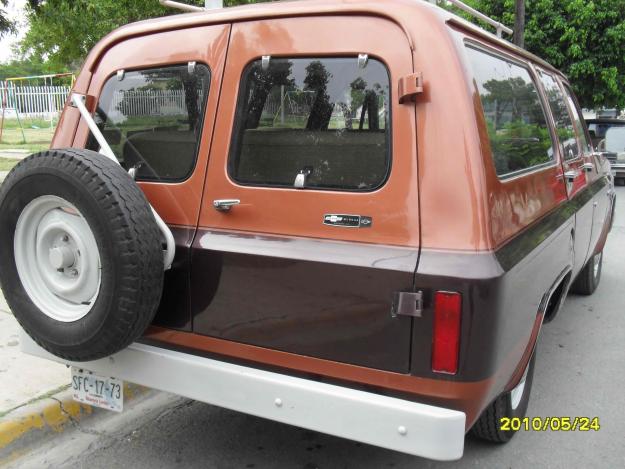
(156, 107)
(574, 156)
(596, 174)
(310, 216)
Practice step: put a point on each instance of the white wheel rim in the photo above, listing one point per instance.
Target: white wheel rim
(596, 263)
(517, 393)
(57, 258)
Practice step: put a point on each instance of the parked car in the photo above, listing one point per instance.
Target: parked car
(374, 206)
(608, 137)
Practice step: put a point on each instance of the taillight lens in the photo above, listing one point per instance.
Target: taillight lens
(446, 341)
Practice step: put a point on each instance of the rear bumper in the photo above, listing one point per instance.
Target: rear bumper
(400, 425)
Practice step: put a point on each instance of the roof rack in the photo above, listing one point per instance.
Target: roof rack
(208, 5)
(499, 27)
(215, 4)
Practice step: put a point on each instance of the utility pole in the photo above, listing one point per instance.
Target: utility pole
(519, 23)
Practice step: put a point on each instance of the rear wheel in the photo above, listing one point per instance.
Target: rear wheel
(588, 279)
(81, 257)
(512, 404)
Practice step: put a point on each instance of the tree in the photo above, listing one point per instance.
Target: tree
(519, 23)
(6, 25)
(584, 39)
(22, 68)
(62, 32)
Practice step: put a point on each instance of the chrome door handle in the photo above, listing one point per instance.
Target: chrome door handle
(588, 166)
(570, 175)
(224, 205)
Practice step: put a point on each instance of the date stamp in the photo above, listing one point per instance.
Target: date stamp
(555, 424)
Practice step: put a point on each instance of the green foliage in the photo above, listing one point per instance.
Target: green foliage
(6, 26)
(22, 68)
(585, 39)
(63, 31)
(518, 145)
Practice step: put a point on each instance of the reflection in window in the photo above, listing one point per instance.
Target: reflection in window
(152, 119)
(561, 116)
(577, 120)
(517, 128)
(313, 123)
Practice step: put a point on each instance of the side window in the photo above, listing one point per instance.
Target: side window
(319, 123)
(561, 116)
(153, 120)
(517, 128)
(578, 122)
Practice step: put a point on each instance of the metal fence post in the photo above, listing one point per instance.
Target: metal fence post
(3, 101)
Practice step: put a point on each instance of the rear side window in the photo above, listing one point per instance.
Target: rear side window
(561, 116)
(515, 119)
(153, 119)
(319, 123)
(577, 119)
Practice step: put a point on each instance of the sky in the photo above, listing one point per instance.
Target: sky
(15, 10)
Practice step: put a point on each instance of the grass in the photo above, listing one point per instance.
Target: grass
(37, 135)
(6, 164)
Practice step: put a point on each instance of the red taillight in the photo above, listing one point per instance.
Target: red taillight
(446, 341)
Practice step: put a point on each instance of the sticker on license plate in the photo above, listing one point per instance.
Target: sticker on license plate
(98, 391)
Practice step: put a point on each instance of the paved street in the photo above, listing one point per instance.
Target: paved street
(579, 372)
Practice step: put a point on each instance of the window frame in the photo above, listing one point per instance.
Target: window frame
(556, 80)
(204, 105)
(237, 128)
(568, 92)
(529, 67)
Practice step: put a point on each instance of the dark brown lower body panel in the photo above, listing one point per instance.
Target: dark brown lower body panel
(298, 304)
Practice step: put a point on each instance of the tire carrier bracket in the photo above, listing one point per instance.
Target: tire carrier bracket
(78, 100)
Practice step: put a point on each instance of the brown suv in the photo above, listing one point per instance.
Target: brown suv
(374, 208)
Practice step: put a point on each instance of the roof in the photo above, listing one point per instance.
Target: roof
(405, 13)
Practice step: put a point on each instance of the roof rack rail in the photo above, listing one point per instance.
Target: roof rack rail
(208, 5)
(499, 27)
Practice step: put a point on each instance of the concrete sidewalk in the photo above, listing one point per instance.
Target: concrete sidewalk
(24, 378)
(36, 401)
(15, 154)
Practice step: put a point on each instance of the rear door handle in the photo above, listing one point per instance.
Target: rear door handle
(224, 205)
(571, 175)
(588, 166)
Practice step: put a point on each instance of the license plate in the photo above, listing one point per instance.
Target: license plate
(98, 391)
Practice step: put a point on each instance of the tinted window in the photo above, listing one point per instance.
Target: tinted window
(561, 116)
(323, 122)
(577, 120)
(517, 128)
(153, 119)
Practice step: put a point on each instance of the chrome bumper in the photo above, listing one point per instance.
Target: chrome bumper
(396, 424)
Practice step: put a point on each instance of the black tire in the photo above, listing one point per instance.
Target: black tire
(488, 426)
(588, 279)
(128, 240)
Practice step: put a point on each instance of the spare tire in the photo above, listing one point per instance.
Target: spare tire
(81, 255)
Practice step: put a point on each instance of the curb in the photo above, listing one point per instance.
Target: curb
(31, 423)
(16, 153)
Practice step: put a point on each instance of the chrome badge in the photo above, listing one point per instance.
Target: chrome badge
(347, 221)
